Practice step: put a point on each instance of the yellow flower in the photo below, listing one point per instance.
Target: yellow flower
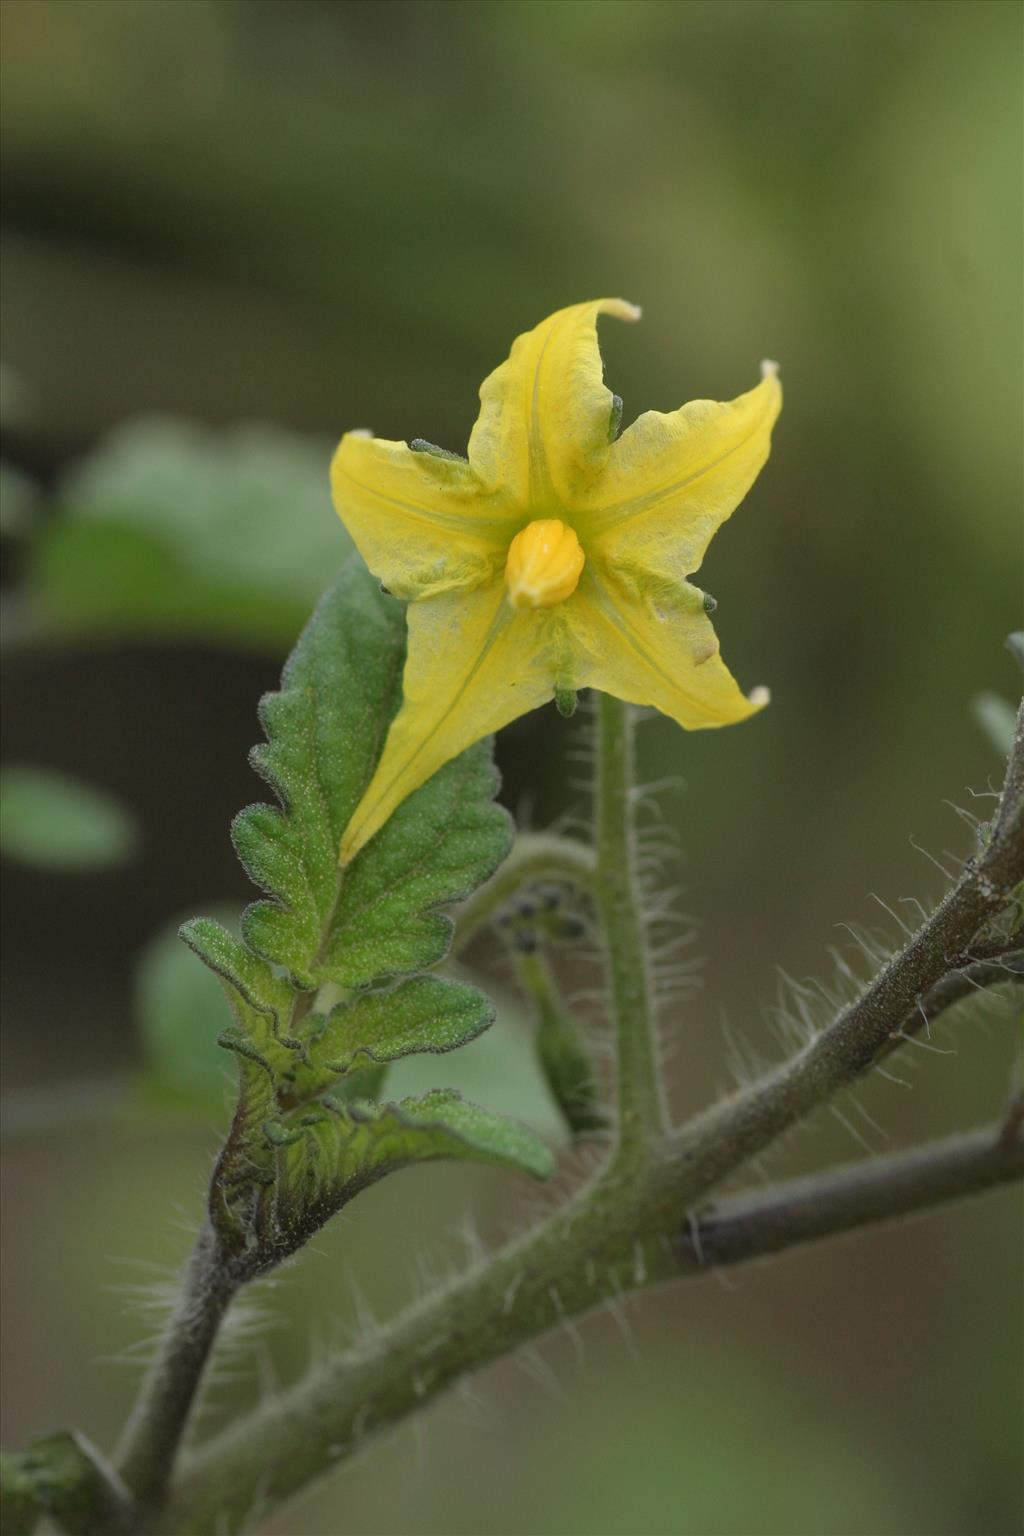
(555, 557)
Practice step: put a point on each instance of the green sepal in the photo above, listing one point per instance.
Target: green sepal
(420, 445)
(566, 700)
(615, 418)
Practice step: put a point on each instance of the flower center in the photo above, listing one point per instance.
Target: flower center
(544, 564)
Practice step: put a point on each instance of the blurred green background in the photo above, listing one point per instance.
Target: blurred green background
(256, 224)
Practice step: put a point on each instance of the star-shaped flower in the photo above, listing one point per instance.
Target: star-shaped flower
(555, 557)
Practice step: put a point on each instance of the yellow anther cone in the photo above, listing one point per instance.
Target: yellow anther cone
(544, 564)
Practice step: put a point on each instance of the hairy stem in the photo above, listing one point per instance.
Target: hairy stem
(610, 1241)
(154, 1430)
(624, 1230)
(641, 1108)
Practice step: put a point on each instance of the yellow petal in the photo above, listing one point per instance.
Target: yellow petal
(672, 480)
(654, 647)
(473, 665)
(542, 433)
(422, 523)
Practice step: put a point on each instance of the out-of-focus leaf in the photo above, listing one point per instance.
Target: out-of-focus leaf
(997, 718)
(15, 398)
(180, 1011)
(19, 501)
(58, 822)
(499, 1069)
(171, 529)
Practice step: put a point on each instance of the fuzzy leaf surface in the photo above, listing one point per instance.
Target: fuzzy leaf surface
(422, 1014)
(325, 730)
(328, 1155)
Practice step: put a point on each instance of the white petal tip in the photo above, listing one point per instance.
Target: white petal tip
(769, 369)
(759, 697)
(630, 311)
(359, 432)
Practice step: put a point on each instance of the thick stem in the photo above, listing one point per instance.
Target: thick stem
(641, 1108)
(611, 1240)
(154, 1431)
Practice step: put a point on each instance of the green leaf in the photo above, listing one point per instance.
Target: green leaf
(58, 822)
(328, 1155)
(498, 1069)
(444, 1124)
(171, 529)
(19, 502)
(250, 984)
(422, 1014)
(325, 730)
(303, 1140)
(997, 719)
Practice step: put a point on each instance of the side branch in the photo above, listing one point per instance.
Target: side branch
(720, 1140)
(856, 1195)
(581, 1258)
(967, 981)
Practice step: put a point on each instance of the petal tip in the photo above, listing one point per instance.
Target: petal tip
(769, 368)
(759, 697)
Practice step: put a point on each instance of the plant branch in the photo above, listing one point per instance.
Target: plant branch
(641, 1107)
(593, 1253)
(856, 1195)
(718, 1141)
(966, 981)
(623, 1230)
(157, 1423)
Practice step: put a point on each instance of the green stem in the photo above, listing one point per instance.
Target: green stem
(611, 1240)
(155, 1428)
(628, 1227)
(641, 1108)
(855, 1195)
